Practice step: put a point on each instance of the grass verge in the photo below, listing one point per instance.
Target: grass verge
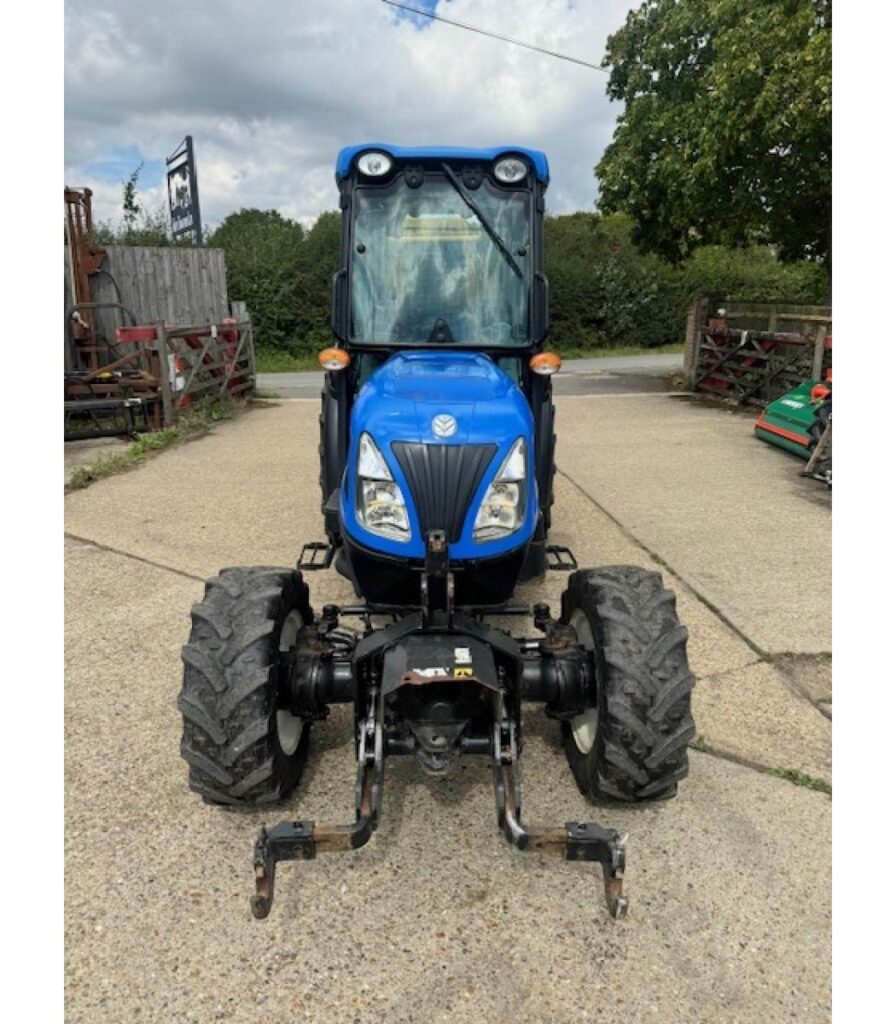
(273, 360)
(192, 424)
(613, 353)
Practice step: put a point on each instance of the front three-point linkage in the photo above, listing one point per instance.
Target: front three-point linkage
(437, 636)
(576, 840)
(295, 840)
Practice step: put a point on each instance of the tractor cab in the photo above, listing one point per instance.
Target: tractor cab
(440, 309)
(441, 247)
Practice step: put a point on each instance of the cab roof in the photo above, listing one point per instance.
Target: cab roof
(347, 155)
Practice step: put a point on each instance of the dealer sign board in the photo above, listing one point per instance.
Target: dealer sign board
(183, 192)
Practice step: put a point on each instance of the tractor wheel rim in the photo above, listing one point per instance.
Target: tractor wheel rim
(584, 726)
(289, 726)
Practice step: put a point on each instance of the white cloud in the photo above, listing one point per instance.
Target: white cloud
(271, 89)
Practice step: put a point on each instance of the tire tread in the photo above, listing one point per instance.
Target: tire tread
(645, 684)
(229, 693)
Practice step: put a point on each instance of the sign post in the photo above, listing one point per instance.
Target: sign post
(183, 192)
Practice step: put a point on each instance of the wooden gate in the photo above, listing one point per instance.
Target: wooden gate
(753, 352)
(199, 363)
(160, 372)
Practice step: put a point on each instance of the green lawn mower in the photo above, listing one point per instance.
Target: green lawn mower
(797, 420)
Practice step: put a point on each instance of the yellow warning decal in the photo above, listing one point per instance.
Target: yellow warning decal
(463, 671)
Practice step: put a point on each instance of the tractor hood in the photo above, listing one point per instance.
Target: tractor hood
(441, 399)
(404, 398)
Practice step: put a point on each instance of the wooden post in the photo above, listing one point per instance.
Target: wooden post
(242, 339)
(691, 354)
(818, 354)
(773, 320)
(250, 347)
(164, 374)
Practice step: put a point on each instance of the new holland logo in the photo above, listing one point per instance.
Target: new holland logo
(444, 425)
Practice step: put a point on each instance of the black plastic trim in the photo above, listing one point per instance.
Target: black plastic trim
(443, 479)
(391, 580)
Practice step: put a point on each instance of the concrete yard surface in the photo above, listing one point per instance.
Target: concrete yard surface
(437, 919)
(728, 513)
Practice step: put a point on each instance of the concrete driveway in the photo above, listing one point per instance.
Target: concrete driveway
(437, 919)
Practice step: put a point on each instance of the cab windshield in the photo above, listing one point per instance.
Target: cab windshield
(428, 266)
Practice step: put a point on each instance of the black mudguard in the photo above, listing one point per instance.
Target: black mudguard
(333, 449)
(545, 442)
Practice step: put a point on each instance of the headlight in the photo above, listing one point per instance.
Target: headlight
(504, 506)
(510, 170)
(381, 507)
(375, 165)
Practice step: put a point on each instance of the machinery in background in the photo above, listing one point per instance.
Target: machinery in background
(110, 389)
(800, 422)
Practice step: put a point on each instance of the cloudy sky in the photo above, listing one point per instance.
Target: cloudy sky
(271, 89)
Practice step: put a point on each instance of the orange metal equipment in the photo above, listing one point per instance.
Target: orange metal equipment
(85, 260)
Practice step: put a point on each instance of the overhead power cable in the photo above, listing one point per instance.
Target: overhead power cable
(494, 35)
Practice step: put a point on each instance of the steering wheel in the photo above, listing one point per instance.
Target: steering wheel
(497, 332)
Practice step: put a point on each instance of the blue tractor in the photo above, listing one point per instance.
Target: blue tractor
(436, 472)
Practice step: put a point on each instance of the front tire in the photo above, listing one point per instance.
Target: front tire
(240, 740)
(632, 744)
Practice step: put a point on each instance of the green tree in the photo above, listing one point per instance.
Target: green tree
(311, 288)
(150, 229)
(138, 225)
(283, 273)
(262, 248)
(726, 133)
(602, 288)
(129, 203)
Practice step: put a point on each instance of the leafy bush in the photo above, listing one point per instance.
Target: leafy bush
(146, 227)
(605, 293)
(282, 272)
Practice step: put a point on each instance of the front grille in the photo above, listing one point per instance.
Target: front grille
(443, 479)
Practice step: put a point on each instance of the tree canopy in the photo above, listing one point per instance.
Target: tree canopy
(726, 133)
(282, 272)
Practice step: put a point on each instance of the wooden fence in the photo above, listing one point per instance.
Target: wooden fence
(164, 338)
(178, 285)
(751, 352)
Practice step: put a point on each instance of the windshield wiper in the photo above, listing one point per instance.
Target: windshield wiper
(480, 216)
